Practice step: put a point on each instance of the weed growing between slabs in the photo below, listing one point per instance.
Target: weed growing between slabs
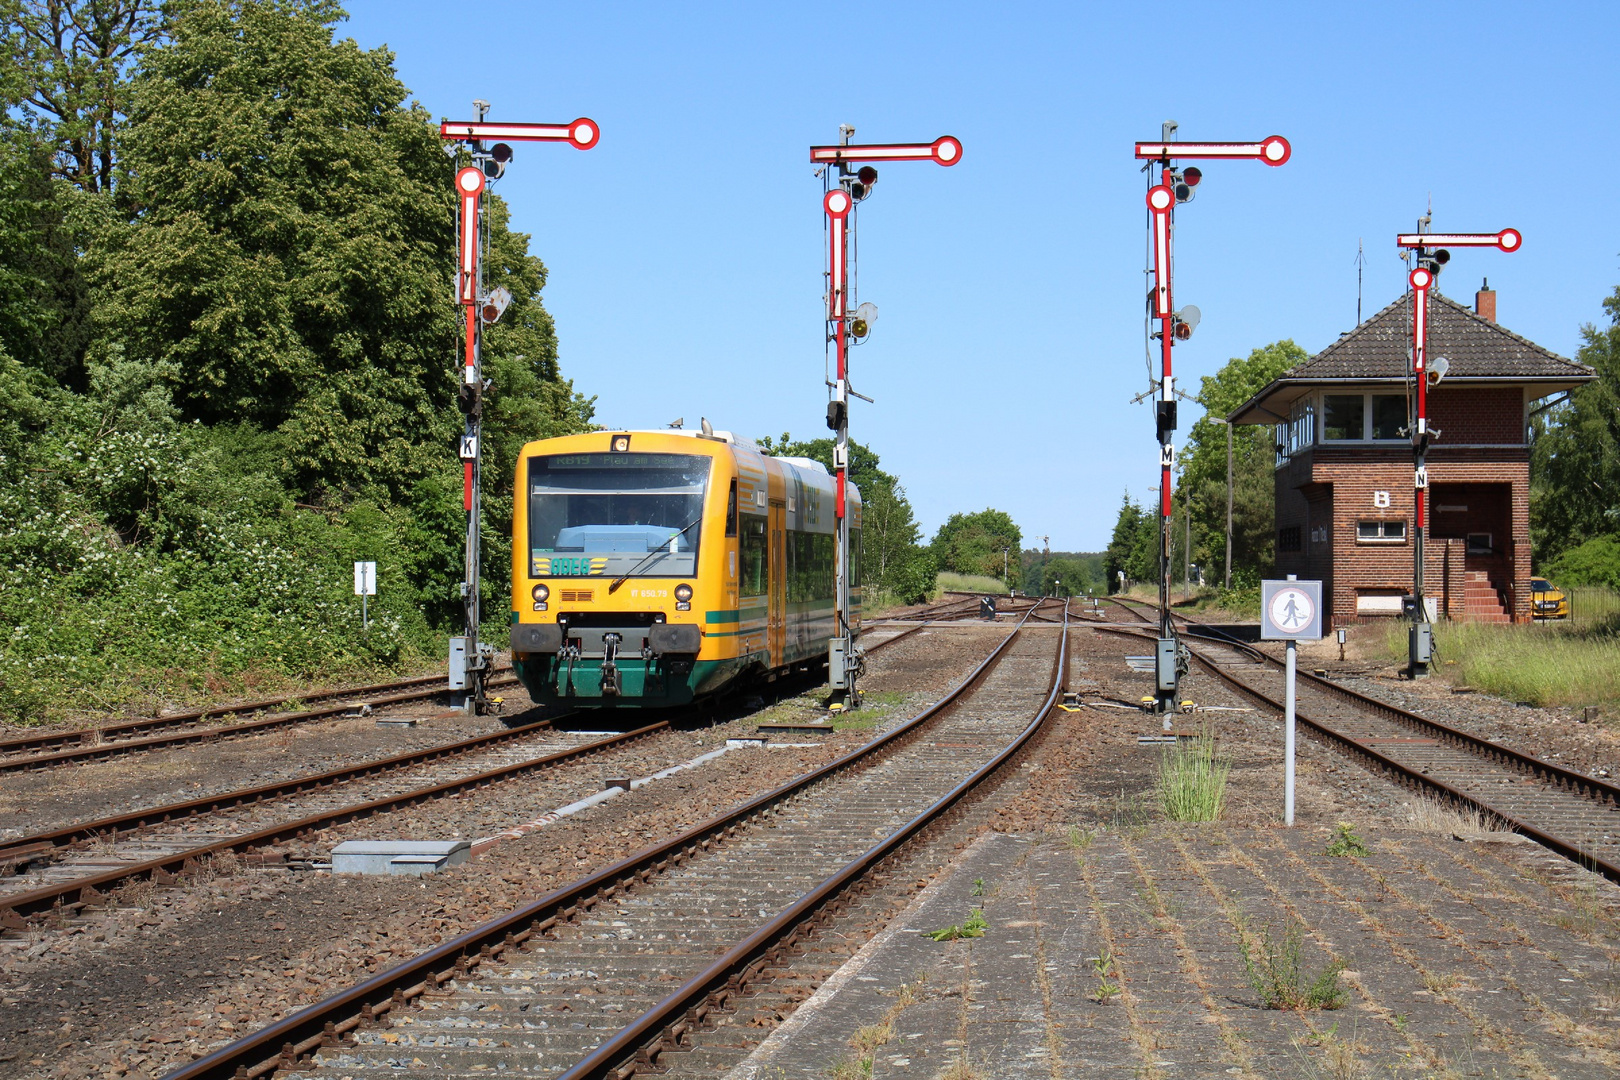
(867, 1039)
(1346, 843)
(1272, 963)
(975, 926)
(1192, 780)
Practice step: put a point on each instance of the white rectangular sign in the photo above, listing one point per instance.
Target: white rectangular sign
(365, 579)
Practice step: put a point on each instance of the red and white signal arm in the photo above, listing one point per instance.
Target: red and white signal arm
(1506, 240)
(581, 134)
(1273, 150)
(1159, 200)
(945, 150)
(469, 188)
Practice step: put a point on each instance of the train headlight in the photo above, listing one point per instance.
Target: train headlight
(540, 594)
(683, 597)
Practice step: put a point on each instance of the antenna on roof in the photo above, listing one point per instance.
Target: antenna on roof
(1361, 261)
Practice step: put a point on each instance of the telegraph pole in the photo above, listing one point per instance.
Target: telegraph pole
(1177, 187)
(1431, 256)
(470, 659)
(849, 177)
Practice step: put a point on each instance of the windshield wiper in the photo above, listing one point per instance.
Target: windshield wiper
(659, 550)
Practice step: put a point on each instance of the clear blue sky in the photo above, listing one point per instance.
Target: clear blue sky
(686, 250)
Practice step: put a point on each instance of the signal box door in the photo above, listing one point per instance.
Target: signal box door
(776, 617)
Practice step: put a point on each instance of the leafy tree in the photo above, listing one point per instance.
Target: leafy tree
(976, 543)
(1203, 471)
(70, 81)
(1575, 456)
(1596, 562)
(292, 252)
(44, 300)
(864, 463)
(1133, 547)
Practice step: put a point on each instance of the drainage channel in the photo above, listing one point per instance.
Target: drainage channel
(608, 971)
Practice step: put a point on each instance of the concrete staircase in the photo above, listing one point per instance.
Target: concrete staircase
(1483, 600)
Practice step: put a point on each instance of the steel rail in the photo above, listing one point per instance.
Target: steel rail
(286, 1041)
(207, 712)
(212, 734)
(15, 909)
(727, 977)
(1554, 775)
(103, 828)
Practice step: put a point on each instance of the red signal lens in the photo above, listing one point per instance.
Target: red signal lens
(867, 175)
(1192, 175)
(501, 152)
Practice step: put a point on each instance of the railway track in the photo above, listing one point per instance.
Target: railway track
(200, 725)
(67, 869)
(642, 959)
(1571, 813)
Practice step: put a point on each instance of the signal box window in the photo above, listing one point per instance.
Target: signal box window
(1343, 417)
(1289, 539)
(1388, 415)
(1381, 532)
(752, 555)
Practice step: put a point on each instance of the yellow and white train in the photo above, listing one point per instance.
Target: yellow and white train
(650, 568)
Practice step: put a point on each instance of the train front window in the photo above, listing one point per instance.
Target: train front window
(612, 514)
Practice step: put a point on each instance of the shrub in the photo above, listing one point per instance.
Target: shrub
(1273, 966)
(1596, 562)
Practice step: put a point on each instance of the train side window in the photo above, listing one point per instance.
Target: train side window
(854, 558)
(731, 510)
(752, 555)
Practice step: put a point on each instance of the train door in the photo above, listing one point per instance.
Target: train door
(776, 617)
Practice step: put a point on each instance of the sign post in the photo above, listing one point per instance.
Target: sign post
(365, 585)
(849, 178)
(470, 659)
(1177, 187)
(1290, 611)
(1431, 256)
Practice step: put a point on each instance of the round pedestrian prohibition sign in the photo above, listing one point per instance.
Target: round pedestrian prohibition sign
(1291, 610)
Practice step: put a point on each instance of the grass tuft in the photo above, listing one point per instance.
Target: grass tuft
(1542, 663)
(1346, 843)
(1192, 780)
(1272, 963)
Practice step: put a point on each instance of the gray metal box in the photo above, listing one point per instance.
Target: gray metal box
(412, 857)
(458, 663)
(837, 665)
(1165, 664)
(1422, 643)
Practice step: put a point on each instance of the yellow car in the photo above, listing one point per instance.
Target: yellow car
(1547, 601)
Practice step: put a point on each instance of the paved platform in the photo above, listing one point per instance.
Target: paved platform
(1486, 957)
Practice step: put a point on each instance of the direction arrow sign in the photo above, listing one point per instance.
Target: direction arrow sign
(1507, 240)
(945, 150)
(1273, 150)
(581, 134)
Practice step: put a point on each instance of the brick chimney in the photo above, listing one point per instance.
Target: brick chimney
(1485, 301)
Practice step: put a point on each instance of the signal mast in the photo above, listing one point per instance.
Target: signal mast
(1175, 187)
(849, 176)
(470, 659)
(1431, 256)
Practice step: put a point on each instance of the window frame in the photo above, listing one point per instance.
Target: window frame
(1383, 524)
(1368, 411)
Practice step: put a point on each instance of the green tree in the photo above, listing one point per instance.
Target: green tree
(1203, 469)
(1133, 547)
(1575, 455)
(977, 543)
(44, 300)
(864, 464)
(292, 251)
(69, 79)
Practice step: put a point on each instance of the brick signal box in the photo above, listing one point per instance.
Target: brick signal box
(1344, 495)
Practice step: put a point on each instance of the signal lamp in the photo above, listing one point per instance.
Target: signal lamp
(1185, 321)
(501, 152)
(865, 178)
(1185, 182)
(864, 317)
(1192, 174)
(837, 414)
(494, 305)
(493, 168)
(1437, 370)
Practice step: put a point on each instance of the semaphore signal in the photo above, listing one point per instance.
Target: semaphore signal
(1172, 188)
(469, 660)
(1431, 252)
(850, 178)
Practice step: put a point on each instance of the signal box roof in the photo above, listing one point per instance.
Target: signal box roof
(1481, 352)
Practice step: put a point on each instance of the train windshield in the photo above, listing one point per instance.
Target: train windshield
(613, 514)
